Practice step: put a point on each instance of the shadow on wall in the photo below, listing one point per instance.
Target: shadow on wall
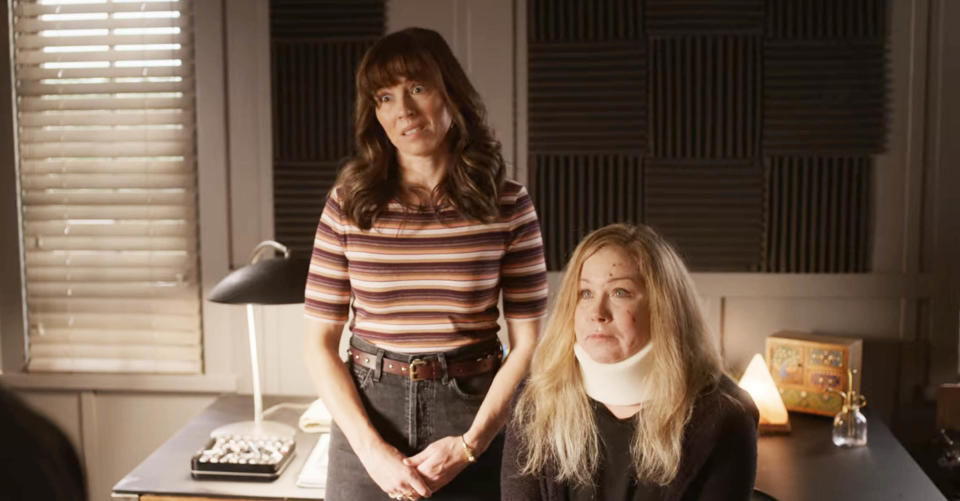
(37, 460)
(886, 364)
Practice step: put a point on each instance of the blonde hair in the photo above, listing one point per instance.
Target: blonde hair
(559, 436)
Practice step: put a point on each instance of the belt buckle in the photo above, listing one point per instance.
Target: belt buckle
(413, 369)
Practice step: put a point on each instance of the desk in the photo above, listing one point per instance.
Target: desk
(166, 472)
(805, 465)
(801, 466)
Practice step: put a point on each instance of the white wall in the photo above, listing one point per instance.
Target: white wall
(909, 303)
(113, 432)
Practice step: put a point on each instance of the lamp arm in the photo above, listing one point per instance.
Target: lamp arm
(271, 244)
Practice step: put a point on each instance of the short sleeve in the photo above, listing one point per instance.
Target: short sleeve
(327, 295)
(523, 270)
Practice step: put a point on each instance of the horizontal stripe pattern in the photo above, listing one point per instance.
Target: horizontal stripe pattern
(426, 281)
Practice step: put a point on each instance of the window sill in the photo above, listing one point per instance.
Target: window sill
(191, 383)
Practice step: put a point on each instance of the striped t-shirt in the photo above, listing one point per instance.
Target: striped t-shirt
(427, 280)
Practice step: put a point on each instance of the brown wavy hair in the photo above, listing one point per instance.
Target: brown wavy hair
(371, 178)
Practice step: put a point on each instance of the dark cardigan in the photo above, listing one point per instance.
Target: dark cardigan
(718, 462)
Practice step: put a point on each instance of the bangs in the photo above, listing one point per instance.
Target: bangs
(387, 63)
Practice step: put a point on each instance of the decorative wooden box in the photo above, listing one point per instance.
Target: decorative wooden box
(805, 365)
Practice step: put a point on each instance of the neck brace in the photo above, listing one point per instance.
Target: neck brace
(619, 383)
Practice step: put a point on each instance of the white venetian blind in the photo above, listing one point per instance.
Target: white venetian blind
(108, 176)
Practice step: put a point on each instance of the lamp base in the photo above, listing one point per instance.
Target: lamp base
(271, 429)
(774, 429)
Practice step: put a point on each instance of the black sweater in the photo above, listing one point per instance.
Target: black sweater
(718, 462)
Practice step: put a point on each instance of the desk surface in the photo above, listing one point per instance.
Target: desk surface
(167, 470)
(804, 465)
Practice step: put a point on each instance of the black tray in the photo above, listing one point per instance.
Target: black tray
(238, 471)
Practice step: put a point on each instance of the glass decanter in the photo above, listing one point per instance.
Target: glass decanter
(850, 425)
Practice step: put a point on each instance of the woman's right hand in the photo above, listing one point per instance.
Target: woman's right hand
(388, 468)
(383, 462)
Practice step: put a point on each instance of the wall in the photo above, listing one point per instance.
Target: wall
(903, 309)
(907, 308)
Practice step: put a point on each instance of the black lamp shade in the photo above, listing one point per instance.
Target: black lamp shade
(268, 281)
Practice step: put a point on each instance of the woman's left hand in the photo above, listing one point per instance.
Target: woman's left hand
(444, 459)
(440, 462)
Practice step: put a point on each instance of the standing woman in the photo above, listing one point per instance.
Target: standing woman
(421, 232)
(626, 399)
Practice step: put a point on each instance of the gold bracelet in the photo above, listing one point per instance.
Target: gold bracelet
(467, 451)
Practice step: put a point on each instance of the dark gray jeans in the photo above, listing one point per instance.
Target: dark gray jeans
(411, 415)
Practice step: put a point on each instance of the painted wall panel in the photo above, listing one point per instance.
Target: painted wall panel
(886, 357)
(62, 408)
(490, 42)
(286, 374)
(748, 321)
(944, 156)
(124, 429)
(249, 124)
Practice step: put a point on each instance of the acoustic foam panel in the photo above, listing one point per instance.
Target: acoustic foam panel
(587, 96)
(818, 214)
(326, 19)
(712, 212)
(684, 17)
(827, 20)
(703, 97)
(315, 50)
(576, 194)
(824, 97)
(577, 20)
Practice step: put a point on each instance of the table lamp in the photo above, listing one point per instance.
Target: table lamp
(757, 382)
(264, 281)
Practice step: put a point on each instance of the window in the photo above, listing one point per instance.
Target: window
(105, 120)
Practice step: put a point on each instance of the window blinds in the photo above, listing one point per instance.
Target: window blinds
(108, 177)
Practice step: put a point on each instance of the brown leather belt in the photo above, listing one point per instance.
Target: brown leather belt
(419, 369)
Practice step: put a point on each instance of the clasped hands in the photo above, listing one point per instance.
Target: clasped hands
(418, 476)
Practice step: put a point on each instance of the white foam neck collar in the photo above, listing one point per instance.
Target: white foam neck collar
(619, 383)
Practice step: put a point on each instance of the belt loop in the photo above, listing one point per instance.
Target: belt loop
(442, 359)
(378, 365)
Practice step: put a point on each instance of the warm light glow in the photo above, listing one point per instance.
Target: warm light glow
(757, 382)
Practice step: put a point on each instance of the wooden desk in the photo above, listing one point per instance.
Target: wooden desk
(801, 466)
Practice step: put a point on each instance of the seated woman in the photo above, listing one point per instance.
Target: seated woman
(626, 399)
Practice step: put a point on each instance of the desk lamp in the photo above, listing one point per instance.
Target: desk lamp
(757, 382)
(263, 281)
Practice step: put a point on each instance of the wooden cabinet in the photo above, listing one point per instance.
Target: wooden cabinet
(809, 369)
